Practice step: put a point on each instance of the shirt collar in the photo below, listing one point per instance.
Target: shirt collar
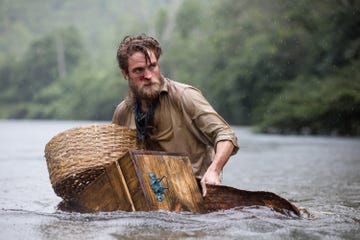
(165, 87)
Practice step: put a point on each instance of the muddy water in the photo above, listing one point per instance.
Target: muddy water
(321, 174)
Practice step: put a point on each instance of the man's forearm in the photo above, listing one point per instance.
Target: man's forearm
(212, 174)
(222, 155)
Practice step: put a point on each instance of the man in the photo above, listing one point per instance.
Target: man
(171, 116)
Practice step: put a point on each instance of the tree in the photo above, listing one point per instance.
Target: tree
(46, 62)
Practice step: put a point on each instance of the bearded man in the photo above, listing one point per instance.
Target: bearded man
(170, 116)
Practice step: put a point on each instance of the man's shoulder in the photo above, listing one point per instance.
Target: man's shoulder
(183, 95)
(122, 113)
(125, 105)
(178, 87)
(178, 84)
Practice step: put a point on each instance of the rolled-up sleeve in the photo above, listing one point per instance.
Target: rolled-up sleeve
(210, 124)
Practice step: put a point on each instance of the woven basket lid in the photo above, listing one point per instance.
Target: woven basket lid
(77, 156)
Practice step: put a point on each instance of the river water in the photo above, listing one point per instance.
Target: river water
(321, 174)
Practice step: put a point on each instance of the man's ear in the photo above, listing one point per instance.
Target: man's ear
(123, 72)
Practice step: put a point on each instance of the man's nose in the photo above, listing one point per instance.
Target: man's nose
(147, 73)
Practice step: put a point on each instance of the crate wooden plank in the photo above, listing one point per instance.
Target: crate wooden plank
(183, 183)
(152, 163)
(120, 189)
(182, 194)
(107, 193)
(131, 180)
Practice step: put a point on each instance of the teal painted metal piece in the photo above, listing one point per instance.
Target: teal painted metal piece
(157, 186)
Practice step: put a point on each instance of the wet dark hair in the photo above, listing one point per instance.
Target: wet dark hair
(137, 43)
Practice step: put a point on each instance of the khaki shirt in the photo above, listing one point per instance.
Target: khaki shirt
(183, 122)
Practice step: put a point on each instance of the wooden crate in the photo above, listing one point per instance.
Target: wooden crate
(127, 185)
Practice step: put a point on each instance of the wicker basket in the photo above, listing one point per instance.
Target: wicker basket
(76, 157)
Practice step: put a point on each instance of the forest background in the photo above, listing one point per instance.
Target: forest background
(281, 66)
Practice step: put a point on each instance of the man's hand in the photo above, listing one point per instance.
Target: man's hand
(212, 174)
(210, 177)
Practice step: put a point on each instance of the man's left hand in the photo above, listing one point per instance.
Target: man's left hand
(212, 174)
(210, 177)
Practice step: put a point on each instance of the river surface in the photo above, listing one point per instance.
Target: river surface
(321, 174)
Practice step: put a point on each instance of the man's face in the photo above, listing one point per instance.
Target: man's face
(144, 78)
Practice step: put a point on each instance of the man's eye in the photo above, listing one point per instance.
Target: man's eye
(152, 66)
(138, 70)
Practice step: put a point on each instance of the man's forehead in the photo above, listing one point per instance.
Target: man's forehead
(140, 57)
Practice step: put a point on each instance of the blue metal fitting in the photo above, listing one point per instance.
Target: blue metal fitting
(157, 186)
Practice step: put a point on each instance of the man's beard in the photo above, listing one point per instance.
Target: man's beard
(147, 92)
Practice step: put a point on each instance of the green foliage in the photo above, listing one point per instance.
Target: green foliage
(46, 62)
(329, 105)
(161, 21)
(324, 96)
(283, 65)
(258, 48)
(188, 17)
(93, 95)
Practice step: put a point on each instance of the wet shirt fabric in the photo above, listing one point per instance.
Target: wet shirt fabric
(183, 122)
